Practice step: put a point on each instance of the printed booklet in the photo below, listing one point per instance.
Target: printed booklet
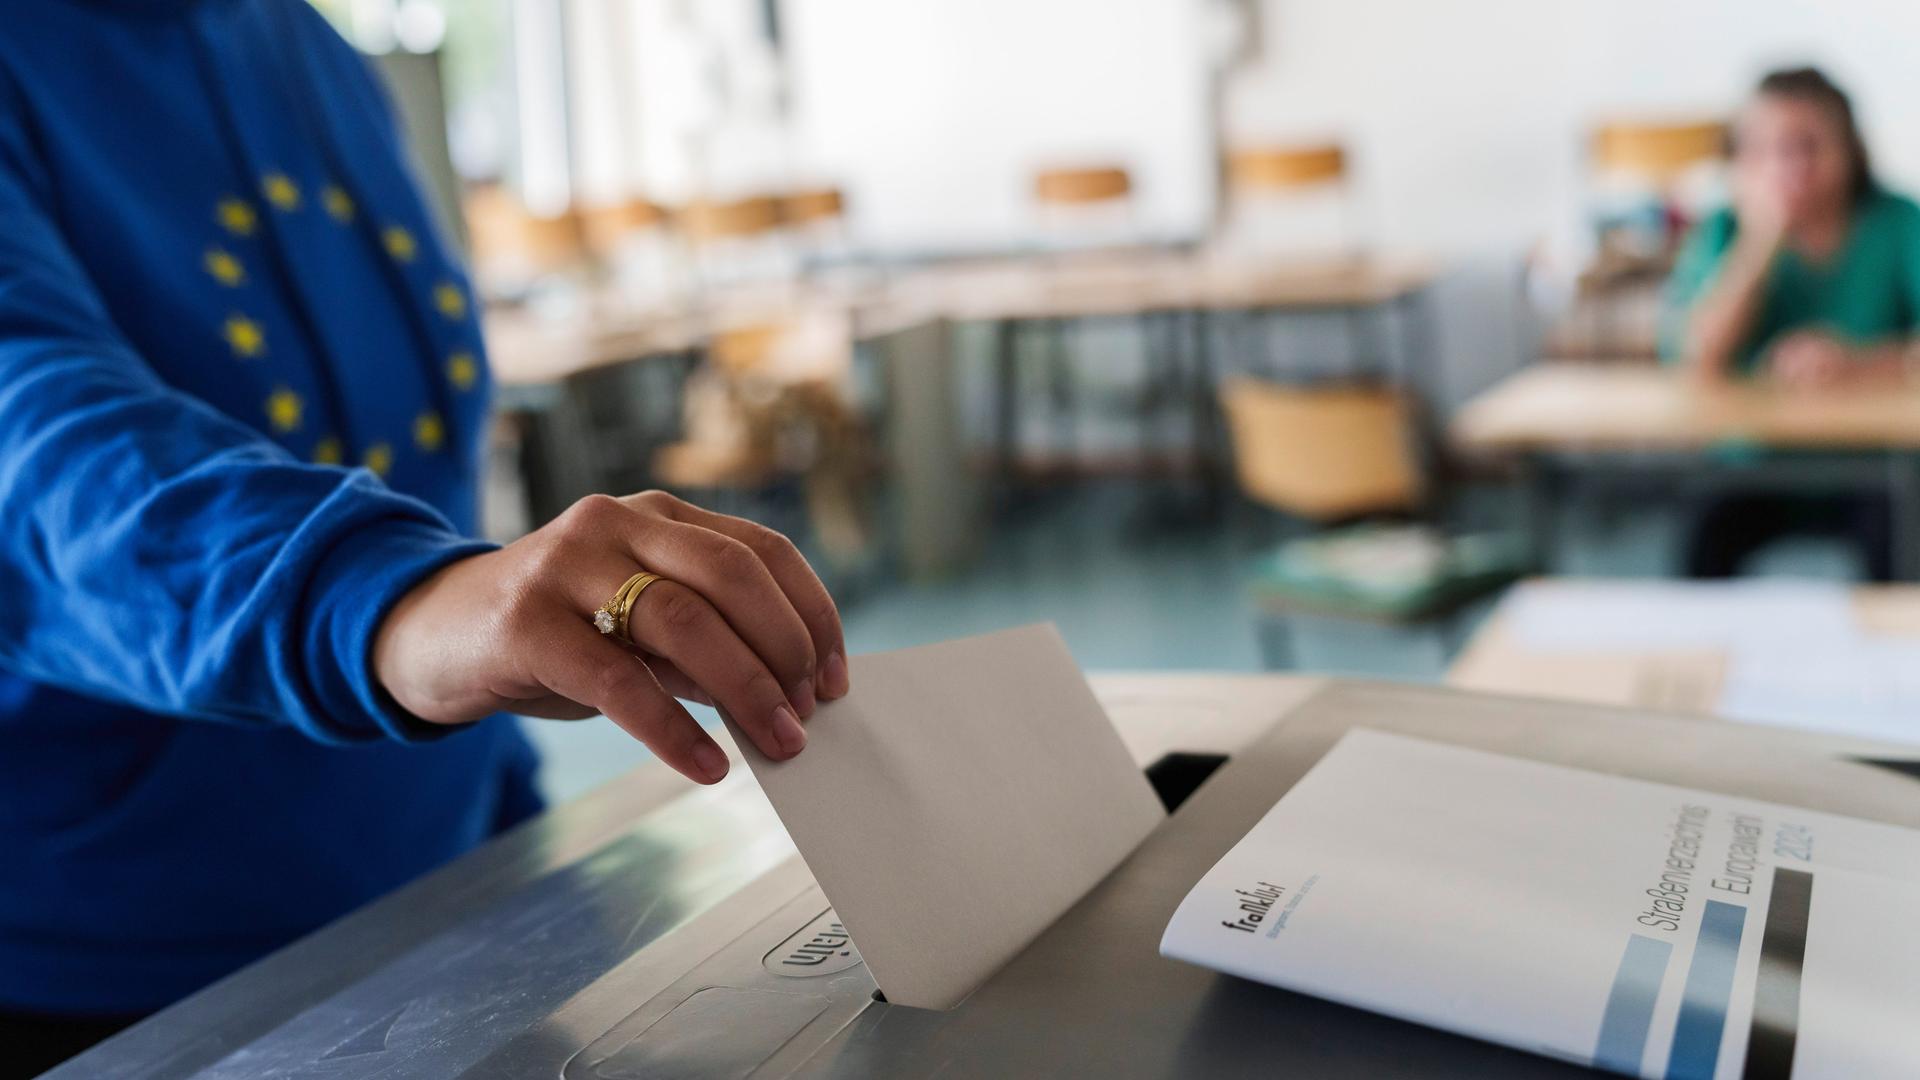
(1636, 927)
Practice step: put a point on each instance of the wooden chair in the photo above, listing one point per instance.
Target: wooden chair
(1335, 456)
(808, 208)
(1323, 454)
(633, 249)
(1292, 200)
(1285, 168)
(816, 222)
(1640, 177)
(1295, 204)
(1658, 151)
(608, 226)
(736, 240)
(513, 248)
(1082, 186)
(1078, 208)
(768, 411)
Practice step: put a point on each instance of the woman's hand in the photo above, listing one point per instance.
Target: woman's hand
(1810, 360)
(739, 621)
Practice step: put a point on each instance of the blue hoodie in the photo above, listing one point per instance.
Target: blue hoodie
(242, 407)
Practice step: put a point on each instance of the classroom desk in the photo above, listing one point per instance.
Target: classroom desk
(552, 950)
(531, 349)
(1562, 420)
(1173, 295)
(1672, 680)
(603, 327)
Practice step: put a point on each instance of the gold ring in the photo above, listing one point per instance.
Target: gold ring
(610, 618)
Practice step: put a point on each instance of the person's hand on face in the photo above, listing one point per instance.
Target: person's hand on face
(1810, 360)
(1766, 209)
(737, 620)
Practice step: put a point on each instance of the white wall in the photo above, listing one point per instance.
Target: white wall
(935, 113)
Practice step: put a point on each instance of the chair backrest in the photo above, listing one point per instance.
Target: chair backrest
(730, 220)
(608, 225)
(1657, 151)
(1077, 187)
(811, 207)
(507, 235)
(806, 346)
(1324, 453)
(1285, 168)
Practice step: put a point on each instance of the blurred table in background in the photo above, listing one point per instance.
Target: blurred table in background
(1565, 420)
(529, 347)
(1500, 658)
(537, 351)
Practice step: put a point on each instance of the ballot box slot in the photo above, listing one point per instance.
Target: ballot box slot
(1907, 767)
(1179, 774)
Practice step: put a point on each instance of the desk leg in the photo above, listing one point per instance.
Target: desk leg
(1206, 410)
(1006, 388)
(1419, 354)
(1063, 396)
(1542, 488)
(1371, 342)
(1903, 494)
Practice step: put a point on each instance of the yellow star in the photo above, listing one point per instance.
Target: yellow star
(463, 370)
(428, 431)
(339, 204)
(399, 243)
(283, 410)
(224, 267)
(379, 458)
(245, 336)
(327, 452)
(450, 300)
(235, 215)
(281, 191)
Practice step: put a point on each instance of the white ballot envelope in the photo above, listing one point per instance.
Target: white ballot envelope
(956, 802)
(1643, 928)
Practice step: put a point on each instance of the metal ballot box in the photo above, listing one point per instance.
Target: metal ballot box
(689, 941)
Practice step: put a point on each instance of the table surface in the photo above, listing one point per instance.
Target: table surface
(518, 955)
(603, 327)
(1636, 406)
(1674, 680)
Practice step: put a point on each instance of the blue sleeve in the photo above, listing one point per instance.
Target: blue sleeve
(158, 553)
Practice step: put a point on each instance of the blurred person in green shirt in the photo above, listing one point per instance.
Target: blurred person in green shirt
(1811, 280)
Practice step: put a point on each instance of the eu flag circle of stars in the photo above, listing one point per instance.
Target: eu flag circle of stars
(285, 410)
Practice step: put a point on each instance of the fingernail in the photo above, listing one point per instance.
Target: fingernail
(802, 697)
(833, 676)
(787, 731)
(712, 761)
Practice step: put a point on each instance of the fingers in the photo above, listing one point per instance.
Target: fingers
(588, 668)
(733, 578)
(675, 682)
(801, 585)
(677, 623)
(737, 619)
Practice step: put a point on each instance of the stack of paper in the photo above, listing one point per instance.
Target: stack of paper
(1795, 656)
(1645, 616)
